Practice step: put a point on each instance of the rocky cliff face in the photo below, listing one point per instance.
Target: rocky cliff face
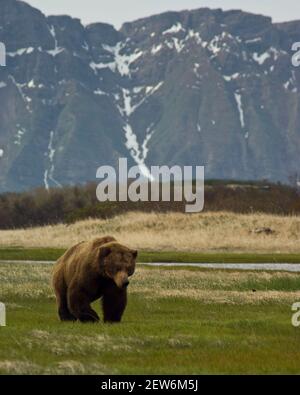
(204, 87)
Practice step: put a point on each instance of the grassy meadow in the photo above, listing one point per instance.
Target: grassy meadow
(177, 321)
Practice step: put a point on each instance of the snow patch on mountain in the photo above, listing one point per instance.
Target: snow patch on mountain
(100, 92)
(229, 78)
(19, 135)
(291, 84)
(98, 66)
(174, 29)
(20, 52)
(126, 108)
(85, 46)
(152, 89)
(179, 44)
(156, 48)
(122, 62)
(57, 50)
(48, 174)
(20, 87)
(31, 84)
(149, 133)
(196, 68)
(222, 42)
(253, 40)
(196, 36)
(137, 154)
(238, 98)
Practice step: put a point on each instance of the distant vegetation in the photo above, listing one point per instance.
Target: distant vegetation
(70, 204)
(52, 254)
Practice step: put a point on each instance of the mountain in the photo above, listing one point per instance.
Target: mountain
(203, 87)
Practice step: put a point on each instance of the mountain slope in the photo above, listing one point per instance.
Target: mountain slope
(202, 87)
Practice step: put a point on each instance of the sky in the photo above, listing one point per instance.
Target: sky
(117, 12)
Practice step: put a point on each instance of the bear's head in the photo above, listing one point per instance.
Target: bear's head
(117, 262)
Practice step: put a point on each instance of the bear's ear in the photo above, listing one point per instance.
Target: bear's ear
(103, 253)
(134, 254)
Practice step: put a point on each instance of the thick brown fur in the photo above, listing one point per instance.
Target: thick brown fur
(91, 270)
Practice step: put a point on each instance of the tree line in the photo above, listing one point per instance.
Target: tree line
(70, 204)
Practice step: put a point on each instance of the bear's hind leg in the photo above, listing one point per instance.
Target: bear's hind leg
(114, 303)
(61, 299)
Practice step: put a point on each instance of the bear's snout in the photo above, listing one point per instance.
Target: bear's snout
(121, 280)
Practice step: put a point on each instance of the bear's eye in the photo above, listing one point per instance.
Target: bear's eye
(113, 269)
(118, 267)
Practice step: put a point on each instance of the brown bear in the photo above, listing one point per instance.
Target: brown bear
(91, 270)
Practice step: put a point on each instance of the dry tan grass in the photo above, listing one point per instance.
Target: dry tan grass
(172, 231)
(226, 297)
(18, 367)
(68, 367)
(69, 344)
(215, 286)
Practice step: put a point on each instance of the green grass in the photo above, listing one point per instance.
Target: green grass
(31, 254)
(194, 257)
(52, 254)
(210, 330)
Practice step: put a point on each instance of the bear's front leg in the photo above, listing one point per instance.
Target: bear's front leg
(114, 303)
(79, 306)
(63, 311)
